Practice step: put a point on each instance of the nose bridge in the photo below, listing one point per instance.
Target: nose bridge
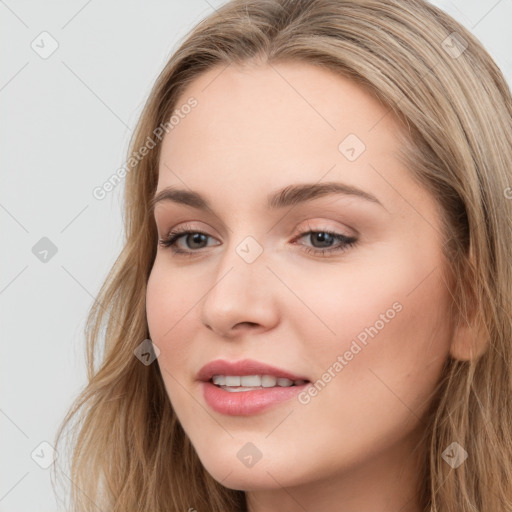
(244, 257)
(240, 289)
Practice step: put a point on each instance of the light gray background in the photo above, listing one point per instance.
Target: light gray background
(66, 122)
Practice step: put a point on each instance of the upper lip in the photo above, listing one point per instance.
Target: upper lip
(243, 367)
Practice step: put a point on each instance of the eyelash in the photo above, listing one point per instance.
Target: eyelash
(170, 240)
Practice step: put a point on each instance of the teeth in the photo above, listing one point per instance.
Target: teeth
(268, 381)
(219, 380)
(254, 381)
(232, 380)
(250, 380)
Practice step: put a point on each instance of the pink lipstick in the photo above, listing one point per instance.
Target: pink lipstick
(246, 387)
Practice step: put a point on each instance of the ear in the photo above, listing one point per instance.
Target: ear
(470, 338)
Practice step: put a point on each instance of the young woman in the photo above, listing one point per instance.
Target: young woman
(312, 310)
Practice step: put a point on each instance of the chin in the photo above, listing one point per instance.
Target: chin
(248, 480)
(229, 471)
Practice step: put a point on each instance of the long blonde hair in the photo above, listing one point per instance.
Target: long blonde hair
(129, 451)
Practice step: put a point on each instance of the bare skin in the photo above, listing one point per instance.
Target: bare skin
(350, 447)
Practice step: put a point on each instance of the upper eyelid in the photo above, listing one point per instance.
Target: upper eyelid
(184, 225)
(311, 205)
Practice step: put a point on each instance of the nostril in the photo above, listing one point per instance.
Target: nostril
(250, 324)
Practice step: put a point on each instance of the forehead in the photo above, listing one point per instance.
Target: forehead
(270, 124)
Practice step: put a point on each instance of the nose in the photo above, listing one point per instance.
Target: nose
(241, 297)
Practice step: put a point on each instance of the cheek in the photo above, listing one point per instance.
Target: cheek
(169, 308)
(374, 377)
(170, 294)
(390, 338)
(385, 316)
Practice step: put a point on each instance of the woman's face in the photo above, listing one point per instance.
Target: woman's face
(365, 322)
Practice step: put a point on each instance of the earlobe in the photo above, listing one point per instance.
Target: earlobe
(470, 336)
(470, 340)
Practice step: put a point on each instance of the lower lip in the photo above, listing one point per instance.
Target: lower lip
(245, 403)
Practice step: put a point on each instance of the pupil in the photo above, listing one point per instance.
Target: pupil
(196, 238)
(322, 237)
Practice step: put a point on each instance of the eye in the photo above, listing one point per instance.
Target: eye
(194, 238)
(322, 240)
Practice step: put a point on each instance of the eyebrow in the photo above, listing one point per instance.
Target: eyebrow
(291, 195)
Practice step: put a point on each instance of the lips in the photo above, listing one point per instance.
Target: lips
(243, 401)
(243, 367)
